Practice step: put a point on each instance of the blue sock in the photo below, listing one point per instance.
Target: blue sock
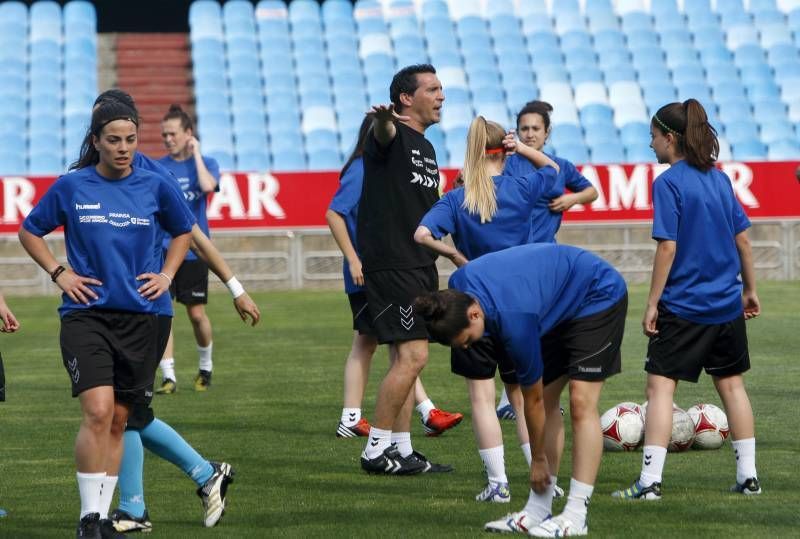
(162, 440)
(131, 489)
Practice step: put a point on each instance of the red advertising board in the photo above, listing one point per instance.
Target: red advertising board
(293, 200)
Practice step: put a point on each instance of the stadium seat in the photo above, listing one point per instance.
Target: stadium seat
(575, 152)
(563, 134)
(12, 162)
(749, 150)
(777, 130)
(639, 153)
(607, 153)
(784, 150)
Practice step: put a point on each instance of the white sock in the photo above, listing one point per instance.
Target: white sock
(377, 442)
(424, 408)
(107, 494)
(351, 416)
(540, 506)
(167, 368)
(495, 463)
(526, 450)
(653, 458)
(204, 357)
(403, 442)
(745, 451)
(578, 502)
(89, 486)
(503, 400)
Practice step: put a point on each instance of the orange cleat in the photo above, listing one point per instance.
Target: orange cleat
(359, 429)
(440, 421)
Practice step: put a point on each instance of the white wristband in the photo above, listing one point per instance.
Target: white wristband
(235, 287)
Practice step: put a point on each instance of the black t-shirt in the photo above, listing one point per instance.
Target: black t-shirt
(401, 183)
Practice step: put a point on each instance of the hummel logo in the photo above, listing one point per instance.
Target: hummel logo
(407, 317)
(647, 459)
(353, 416)
(73, 370)
(374, 441)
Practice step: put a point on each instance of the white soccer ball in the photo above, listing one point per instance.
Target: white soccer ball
(623, 427)
(710, 426)
(682, 431)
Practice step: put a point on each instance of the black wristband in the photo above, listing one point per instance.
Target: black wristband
(56, 272)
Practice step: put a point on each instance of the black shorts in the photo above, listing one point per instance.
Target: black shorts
(114, 348)
(390, 297)
(587, 348)
(482, 359)
(190, 285)
(362, 322)
(682, 349)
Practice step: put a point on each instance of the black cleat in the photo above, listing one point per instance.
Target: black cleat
(89, 526)
(750, 487)
(430, 467)
(107, 530)
(390, 462)
(124, 522)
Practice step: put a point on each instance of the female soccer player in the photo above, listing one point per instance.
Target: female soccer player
(697, 306)
(342, 216)
(533, 129)
(197, 175)
(559, 312)
(491, 212)
(113, 216)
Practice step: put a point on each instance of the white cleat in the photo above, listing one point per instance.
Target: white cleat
(519, 522)
(495, 492)
(559, 526)
(213, 493)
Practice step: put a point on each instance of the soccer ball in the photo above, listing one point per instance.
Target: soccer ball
(682, 431)
(710, 426)
(623, 427)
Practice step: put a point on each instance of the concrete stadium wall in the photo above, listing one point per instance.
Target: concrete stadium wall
(309, 258)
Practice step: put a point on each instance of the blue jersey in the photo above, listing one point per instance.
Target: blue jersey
(510, 226)
(699, 211)
(186, 173)
(545, 223)
(345, 203)
(528, 290)
(112, 230)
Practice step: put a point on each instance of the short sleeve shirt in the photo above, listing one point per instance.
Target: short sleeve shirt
(345, 203)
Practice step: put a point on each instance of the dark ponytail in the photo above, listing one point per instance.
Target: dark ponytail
(175, 112)
(445, 314)
(104, 112)
(696, 138)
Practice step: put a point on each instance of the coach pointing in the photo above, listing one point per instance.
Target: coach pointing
(401, 183)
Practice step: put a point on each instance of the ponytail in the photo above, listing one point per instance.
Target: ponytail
(175, 112)
(445, 313)
(479, 190)
(696, 138)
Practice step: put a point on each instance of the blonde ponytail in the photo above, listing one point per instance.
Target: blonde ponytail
(479, 190)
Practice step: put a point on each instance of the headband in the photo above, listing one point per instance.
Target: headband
(665, 126)
(495, 151)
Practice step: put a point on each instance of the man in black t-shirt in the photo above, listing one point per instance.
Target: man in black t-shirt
(401, 183)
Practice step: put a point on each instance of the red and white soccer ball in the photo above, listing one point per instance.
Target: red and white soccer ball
(682, 431)
(710, 426)
(623, 427)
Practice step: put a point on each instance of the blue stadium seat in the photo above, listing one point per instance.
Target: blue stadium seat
(634, 133)
(784, 150)
(749, 150)
(574, 152)
(580, 75)
(618, 73)
(563, 134)
(253, 161)
(763, 90)
(609, 40)
(777, 130)
(748, 54)
(595, 134)
(45, 162)
(637, 20)
(728, 90)
(325, 159)
(596, 113)
(688, 74)
(641, 38)
(12, 162)
(576, 39)
(741, 131)
(612, 152)
(639, 153)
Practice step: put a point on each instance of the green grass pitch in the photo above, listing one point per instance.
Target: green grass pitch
(273, 409)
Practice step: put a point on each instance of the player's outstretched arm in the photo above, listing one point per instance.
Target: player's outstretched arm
(7, 318)
(383, 118)
(203, 247)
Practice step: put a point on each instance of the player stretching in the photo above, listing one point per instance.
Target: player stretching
(697, 307)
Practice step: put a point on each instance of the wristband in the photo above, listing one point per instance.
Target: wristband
(166, 276)
(56, 272)
(235, 287)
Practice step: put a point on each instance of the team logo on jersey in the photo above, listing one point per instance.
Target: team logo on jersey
(424, 180)
(141, 221)
(407, 317)
(92, 206)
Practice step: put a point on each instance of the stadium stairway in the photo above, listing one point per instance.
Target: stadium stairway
(156, 70)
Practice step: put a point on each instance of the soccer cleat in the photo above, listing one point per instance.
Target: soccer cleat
(439, 421)
(430, 467)
(558, 492)
(124, 522)
(559, 526)
(168, 387)
(202, 380)
(494, 492)
(390, 462)
(519, 522)
(750, 487)
(638, 492)
(359, 429)
(107, 530)
(213, 492)
(506, 412)
(89, 526)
